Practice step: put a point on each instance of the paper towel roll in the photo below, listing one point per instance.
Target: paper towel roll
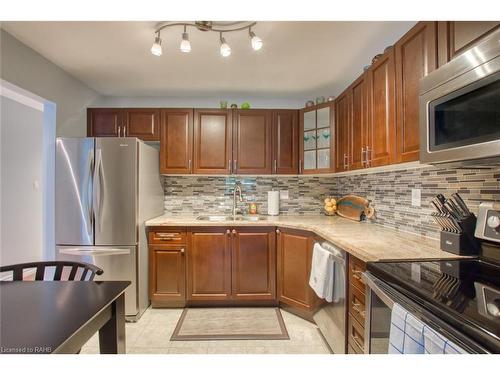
(273, 203)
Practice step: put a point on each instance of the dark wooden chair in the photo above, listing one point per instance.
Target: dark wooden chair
(18, 269)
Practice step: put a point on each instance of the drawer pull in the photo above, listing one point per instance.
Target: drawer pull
(183, 251)
(357, 309)
(167, 235)
(357, 339)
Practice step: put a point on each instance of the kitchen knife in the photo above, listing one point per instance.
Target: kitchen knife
(460, 202)
(451, 210)
(441, 198)
(456, 209)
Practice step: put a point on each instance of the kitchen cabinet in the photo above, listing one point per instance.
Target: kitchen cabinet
(104, 122)
(316, 142)
(253, 263)
(167, 267)
(209, 264)
(454, 37)
(213, 131)
(167, 275)
(143, 123)
(294, 255)
(343, 114)
(176, 142)
(285, 140)
(415, 57)
(360, 135)
(231, 264)
(380, 80)
(252, 141)
(356, 306)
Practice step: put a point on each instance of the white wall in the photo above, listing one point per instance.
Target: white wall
(26, 68)
(27, 135)
(195, 102)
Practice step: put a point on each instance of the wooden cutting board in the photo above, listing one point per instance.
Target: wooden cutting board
(352, 207)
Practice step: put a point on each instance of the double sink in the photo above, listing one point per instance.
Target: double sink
(231, 218)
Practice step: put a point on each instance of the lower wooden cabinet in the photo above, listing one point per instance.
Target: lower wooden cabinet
(253, 264)
(294, 249)
(231, 264)
(356, 307)
(167, 275)
(209, 264)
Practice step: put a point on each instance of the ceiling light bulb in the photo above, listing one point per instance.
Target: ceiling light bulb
(156, 48)
(225, 50)
(256, 41)
(185, 43)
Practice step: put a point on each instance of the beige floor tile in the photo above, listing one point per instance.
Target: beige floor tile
(150, 350)
(154, 336)
(187, 350)
(228, 350)
(90, 350)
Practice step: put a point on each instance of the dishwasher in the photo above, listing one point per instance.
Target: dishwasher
(331, 316)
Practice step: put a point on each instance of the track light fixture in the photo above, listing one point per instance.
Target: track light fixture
(185, 43)
(255, 40)
(225, 50)
(219, 27)
(156, 48)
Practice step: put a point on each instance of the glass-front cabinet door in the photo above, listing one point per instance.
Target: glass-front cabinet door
(316, 144)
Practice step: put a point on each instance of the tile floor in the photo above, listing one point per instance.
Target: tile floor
(151, 335)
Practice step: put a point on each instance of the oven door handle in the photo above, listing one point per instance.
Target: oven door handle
(371, 283)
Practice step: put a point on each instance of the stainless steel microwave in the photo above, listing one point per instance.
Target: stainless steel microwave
(460, 107)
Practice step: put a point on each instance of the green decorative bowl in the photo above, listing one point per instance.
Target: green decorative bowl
(245, 105)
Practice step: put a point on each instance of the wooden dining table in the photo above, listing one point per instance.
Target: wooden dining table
(41, 317)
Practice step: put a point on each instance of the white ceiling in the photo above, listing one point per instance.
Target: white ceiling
(298, 60)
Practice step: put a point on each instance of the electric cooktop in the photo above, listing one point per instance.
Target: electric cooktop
(463, 293)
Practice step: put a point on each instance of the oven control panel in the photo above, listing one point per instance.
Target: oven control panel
(488, 222)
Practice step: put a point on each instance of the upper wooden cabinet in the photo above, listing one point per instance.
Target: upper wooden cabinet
(315, 138)
(360, 134)
(143, 123)
(454, 37)
(104, 122)
(416, 56)
(252, 132)
(343, 114)
(382, 103)
(176, 142)
(285, 141)
(213, 130)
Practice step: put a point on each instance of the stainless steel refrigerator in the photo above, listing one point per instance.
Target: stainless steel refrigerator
(105, 190)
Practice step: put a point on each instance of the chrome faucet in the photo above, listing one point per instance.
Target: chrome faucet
(236, 190)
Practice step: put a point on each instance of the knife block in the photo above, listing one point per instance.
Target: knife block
(464, 243)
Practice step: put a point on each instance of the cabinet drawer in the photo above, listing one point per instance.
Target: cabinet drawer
(357, 304)
(356, 268)
(167, 237)
(355, 334)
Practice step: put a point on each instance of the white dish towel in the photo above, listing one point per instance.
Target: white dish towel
(408, 335)
(322, 273)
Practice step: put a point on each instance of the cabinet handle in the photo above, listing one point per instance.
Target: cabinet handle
(300, 166)
(346, 161)
(119, 131)
(363, 156)
(234, 231)
(275, 166)
(368, 156)
(230, 166)
(190, 166)
(124, 131)
(278, 231)
(183, 251)
(235, 165)
(228, 231)
(167, 235)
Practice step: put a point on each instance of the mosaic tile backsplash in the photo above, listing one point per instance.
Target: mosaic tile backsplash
(390, 193)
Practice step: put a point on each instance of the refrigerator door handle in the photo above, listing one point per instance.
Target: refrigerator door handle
(94, 251)
(97, 182)
(89, 186)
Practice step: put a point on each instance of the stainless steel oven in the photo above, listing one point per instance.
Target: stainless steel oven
(460, 107)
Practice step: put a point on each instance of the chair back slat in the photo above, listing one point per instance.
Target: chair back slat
(40, 272)
(58, 273)
(17, 270)
(72, 274)
(84, 274)
(17, 274)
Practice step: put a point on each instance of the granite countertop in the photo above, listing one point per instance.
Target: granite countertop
(364, 240)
